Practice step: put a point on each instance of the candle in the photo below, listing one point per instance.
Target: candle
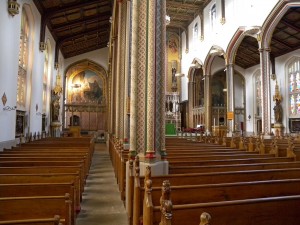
(214, 123)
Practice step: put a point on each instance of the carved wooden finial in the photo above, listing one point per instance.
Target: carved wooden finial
(137, 171)
(137, 161)
(148, 185)
(148, 173)
(56, 220)
(205, 219)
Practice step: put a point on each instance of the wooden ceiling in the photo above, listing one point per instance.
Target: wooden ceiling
(183, 12)
(80, 26)
(285, 39)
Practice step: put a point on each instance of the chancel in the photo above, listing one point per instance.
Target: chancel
(150, 112)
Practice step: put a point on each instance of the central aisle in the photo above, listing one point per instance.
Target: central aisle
(101, 203)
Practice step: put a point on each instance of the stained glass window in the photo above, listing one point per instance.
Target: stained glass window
(294, 87)
(45, 78)
(213, 16)
(23, 58)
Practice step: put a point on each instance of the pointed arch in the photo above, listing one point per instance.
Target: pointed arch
(237, 39)
(275, 16)
(82, 65)
(214, 51)
(197, 64)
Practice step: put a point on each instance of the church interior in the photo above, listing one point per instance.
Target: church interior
(150, 112)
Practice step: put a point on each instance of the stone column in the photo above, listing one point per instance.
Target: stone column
(126, 76)
(265, 89)
(191, 90)
(147, 80)
(133, 81)
(230, 96)
(207, 102)
(121, 67)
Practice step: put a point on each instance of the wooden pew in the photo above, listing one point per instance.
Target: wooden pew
(80, 160)
(189, 194)
(45, 178)
(45, 162)
(230, 161)
(46, 221)
(208, 178)
(48, 170)
(266, 211)
(232, 167)
(36, 207)
(41, 189)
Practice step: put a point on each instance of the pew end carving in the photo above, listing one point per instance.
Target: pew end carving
(205, 219)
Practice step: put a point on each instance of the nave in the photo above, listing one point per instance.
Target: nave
(101, 204)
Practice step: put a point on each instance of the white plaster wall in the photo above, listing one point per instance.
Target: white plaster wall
(237, 13)
(99, 56)
(9, 45)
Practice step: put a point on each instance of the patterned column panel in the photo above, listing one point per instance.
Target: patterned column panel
(230, 95)
(117, 71)
(126, 70)
(150, 79)
(265, 88)
(141, 76)
(133, 82)
(160, 77)
(207, 96)
(122, 34)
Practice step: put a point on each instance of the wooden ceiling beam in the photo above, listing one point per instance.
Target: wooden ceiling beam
(180, 16)
(289, 24)
(186, 6)
(85, 20)
(281, 42)
(51, 12)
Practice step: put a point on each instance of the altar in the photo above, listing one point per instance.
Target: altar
(220, 130)
(75, 131)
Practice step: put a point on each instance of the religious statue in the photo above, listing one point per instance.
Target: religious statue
(55, 109)
(278, 111)
(277, 108)
(174, 80)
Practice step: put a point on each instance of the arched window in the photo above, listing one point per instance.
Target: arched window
(294, 87)
(195, 33)
(213, 16)
(23, 59)
(45, 78)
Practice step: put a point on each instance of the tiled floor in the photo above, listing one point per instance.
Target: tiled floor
(101, 203)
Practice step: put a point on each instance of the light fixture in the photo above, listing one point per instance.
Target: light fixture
(110, 19)
(168, 20)
(43, 46)
(13, 7)
(179, 74)
(76, 85)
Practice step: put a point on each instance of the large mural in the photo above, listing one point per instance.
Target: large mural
(86, 87)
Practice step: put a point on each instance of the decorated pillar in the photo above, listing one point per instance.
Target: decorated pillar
(265, 89)
(126, 76)
(121, 70)
(147, 132)
(207, 102)
(191, 90)
(230, 98)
